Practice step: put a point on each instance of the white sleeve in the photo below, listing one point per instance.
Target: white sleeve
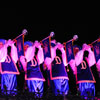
(91, 59)
(23, 62)
(64, 57)
(40, 56)
(3, 53)
(14, 53)
(53, 53)
(98, 65)
(73, 65)
(29, 54)
(79, 57)
(47, 61)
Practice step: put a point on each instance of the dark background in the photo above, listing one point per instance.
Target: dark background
(13, 21)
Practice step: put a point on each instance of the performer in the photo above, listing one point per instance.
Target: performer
(98, 77)
(56, 64)
(84, 59)
(31, 64)
(71, 70)
(8, 67)
(98, 67)
(96, 70)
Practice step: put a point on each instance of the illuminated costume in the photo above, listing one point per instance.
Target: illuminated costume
(31, 63)
(58, 75)
(8, 67)
(84, 59)
(71, 70)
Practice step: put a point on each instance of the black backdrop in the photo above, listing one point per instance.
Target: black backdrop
(13, 21)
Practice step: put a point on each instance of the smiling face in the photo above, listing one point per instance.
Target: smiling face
(1, 45)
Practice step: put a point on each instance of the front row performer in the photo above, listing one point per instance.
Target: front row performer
(84, 60)
(8, 68)
(56, 66)
(31, 64)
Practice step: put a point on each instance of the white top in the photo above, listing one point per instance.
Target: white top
(49, 60)
(3, 53)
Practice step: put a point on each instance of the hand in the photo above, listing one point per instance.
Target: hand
(37, 44)
(10, 42)
(59, 45)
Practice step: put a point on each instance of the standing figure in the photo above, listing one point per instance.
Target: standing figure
(31, 64)
(96, 68)
(84, 59)
(71, 70)
(8, 68)
(56, 66)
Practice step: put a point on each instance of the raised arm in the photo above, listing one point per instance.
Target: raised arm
(3, 52)
(14, 53)
(29, 54)
(40, 55)
(61, 48)
(23, 62)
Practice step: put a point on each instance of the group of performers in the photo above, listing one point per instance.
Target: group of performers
(81, 73)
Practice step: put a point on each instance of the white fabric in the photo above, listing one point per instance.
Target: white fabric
(79, 57)
(40, 56)
(29, 54)
(3, 53)
(91, 57)
(98, 65)
(49, 60)
(72, 65)
(64, 56)
(14, 54)
(23, 62)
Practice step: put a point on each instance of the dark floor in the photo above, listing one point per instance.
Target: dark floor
(48, 95)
